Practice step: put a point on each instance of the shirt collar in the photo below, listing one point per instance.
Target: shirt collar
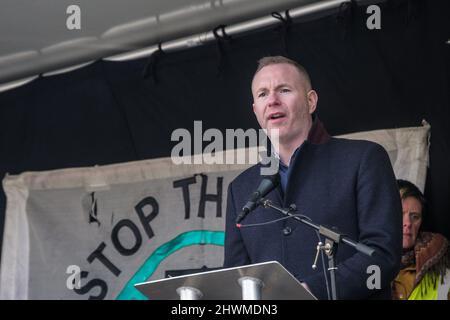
(316, 135)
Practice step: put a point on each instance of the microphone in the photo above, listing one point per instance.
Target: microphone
(265, 186)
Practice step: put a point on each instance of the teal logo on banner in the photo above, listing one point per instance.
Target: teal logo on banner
(190, 238)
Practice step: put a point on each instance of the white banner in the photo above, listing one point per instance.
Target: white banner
(92, 233)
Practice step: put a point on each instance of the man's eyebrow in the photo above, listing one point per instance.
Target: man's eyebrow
(277, 87)
(283, 85)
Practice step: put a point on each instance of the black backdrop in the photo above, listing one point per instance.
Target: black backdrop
(366, 79)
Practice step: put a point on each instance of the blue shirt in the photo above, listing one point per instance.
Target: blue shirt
(285, 171)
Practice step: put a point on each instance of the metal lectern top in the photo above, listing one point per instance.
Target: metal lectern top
(224, 284)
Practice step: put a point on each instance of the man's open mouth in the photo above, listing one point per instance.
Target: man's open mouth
(277, 115)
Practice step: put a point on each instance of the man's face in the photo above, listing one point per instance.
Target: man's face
(412, 219)
(282, 100)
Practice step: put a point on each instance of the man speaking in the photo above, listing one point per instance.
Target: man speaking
(347, 184)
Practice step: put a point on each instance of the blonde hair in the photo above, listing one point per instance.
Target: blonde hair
(270, 60)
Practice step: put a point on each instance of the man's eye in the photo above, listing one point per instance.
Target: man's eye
(416, 217)
(261, 94)
(285, 90)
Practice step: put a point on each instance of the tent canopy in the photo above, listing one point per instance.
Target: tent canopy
(34, 37)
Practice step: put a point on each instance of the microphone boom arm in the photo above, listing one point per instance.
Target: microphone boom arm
(333, 238)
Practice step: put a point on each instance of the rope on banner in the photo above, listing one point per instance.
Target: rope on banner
(285, 29)
(221, 41)
(150, 67)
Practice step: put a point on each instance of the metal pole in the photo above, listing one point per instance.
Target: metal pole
(251, 288)
(189, 293)
(160, 28)
(232, 30)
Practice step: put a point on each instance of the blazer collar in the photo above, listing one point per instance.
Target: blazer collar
(318, 134)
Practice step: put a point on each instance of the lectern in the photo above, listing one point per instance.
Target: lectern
(266, 281)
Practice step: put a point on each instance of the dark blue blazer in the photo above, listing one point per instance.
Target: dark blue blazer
(347, 184)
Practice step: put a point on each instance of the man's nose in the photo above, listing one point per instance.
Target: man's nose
(273, 99)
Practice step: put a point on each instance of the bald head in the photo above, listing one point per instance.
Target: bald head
(271, 60)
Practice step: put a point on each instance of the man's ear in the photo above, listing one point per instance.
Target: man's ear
(312, 100)
(253, 106)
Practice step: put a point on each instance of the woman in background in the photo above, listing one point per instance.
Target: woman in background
(425, 270)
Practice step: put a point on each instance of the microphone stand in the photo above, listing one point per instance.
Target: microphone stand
(332, 239)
